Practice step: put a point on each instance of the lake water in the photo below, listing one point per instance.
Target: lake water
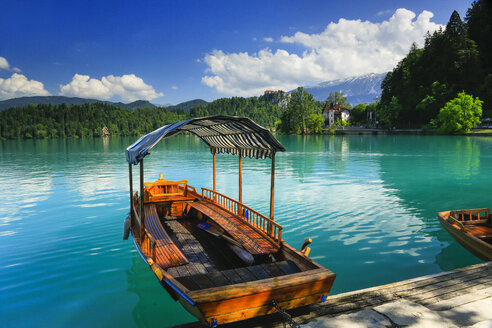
(368, 202)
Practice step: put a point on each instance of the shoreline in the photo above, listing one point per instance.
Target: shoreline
(342, 131)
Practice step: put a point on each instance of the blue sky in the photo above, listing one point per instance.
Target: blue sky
(173, 51)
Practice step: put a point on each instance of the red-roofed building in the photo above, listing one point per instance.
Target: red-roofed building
(332, 112)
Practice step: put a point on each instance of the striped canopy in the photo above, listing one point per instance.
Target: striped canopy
(223, 134)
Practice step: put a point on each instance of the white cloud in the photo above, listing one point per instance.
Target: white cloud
(346, 48)
(4, 64)
(19, 86)
(384, 12)
(268, 39)
(128, 87)
(174, 87)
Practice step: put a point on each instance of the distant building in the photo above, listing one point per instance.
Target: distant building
(277, 97)
(105, 132)
(332, 112)
(281, 92)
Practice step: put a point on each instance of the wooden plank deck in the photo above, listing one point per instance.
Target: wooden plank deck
(199, 261)
(239, 275)
(253, 241)
(461, 297)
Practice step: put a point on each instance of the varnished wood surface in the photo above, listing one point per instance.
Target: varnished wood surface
(237, 293)
(265, 286)
(251, 239)
(480, 231)
(187, 259)
(427, 290)
(259, 221)
(177, 198)
(167, 253)
(478, 242)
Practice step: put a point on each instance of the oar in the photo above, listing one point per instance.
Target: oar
(218, 233)
(233, 244)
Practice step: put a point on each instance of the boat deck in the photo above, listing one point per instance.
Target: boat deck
(206, 267)
(457, 298)
(252, 240)
(199, 260)
(482, 231)
(239, 275)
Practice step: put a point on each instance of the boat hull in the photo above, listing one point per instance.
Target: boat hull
(474, 245)
(242, 301)
(232, 308)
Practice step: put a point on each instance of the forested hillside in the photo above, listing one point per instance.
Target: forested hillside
(452, 60)
(43, 121)
(87, 120)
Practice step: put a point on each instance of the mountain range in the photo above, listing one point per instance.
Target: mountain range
(58, 100)
(187, 105)
(358, 89)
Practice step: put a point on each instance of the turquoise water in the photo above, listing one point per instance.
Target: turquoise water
(368, 202)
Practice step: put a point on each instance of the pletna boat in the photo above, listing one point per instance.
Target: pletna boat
(471, 228)
(222, 260)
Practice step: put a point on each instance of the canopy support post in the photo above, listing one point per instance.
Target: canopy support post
(272, 186)
(131, 192)
(215, 180)
(142, 218)
(240, 179)
(239, 208)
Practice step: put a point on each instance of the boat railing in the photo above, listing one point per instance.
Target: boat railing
(256, 219)
(189, 189)
(471, 214)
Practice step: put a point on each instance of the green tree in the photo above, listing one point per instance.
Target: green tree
(479, 24)
(338, 98)
(429, 107)
(390, 113)
(315, 124)
(460, 115)
(452, 59)
(359, 114)
(296, 115)
(340, 122)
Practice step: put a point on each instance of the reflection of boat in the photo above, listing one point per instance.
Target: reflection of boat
(222, 260)
(472, 229)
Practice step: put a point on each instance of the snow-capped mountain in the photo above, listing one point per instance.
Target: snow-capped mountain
(357, 89)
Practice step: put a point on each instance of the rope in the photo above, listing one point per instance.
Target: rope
(286, 316)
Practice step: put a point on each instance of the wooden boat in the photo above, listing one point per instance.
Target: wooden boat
(222, 260)
(471, 228)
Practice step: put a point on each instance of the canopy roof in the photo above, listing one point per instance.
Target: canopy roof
(224, 134)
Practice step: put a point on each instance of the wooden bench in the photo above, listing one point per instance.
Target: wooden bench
(253, 241)
(167, 254)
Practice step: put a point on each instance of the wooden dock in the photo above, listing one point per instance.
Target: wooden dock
(457, 298)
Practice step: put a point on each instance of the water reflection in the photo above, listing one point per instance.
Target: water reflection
(154, 307)
(368, 202)
(428, 177)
